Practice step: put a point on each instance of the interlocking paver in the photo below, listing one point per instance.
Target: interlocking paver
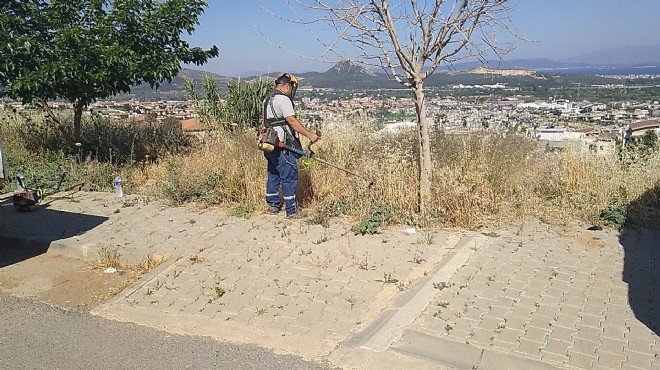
(610, 360)
(562, 333)
(536, 334)
(530, 348)
(530, 292)
(581, 360)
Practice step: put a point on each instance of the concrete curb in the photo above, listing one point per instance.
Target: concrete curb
(165, 266)
(391, 324)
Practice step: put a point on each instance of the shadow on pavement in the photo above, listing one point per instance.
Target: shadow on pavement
(24, 235)
(640, 239)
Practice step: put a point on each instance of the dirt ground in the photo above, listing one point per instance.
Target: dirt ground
(63, 281)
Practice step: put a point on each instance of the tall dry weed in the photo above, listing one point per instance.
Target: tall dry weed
(478, 178)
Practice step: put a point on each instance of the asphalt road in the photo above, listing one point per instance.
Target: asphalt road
(38, 336)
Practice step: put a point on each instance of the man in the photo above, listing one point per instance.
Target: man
(279, 113)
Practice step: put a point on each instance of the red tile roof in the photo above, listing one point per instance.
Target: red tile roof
(651, 123)
(191, 125)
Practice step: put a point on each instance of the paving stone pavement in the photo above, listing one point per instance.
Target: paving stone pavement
(562, 300)
(524, 297)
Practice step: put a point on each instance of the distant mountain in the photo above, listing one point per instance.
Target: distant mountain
(351, 76)
(174, 90)
(348, 69)
(347, 73)
(631, 55)
(610, 61)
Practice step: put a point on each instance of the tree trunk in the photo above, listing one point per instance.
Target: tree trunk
(77, 119)
(425, 162)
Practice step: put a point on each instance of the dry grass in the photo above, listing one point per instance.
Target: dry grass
(478, 179)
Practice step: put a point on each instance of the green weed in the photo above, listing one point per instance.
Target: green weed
(372, 222)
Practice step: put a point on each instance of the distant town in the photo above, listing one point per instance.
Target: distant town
(556, 122)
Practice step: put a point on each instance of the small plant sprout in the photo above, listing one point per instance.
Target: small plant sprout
(196, 259)
(417, 259)
(388, 279)
(352, 300)
(402, 286)
(364, 265)
(324, 238)
(441, 285)
(262, 310)
(219, 292)
(426, 238)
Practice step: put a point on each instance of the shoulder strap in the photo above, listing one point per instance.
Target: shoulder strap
(268, 102)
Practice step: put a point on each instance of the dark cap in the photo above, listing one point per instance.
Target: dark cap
(286, 79)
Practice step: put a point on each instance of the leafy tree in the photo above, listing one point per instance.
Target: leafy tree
(650, 140)
(84, 50)
(410, 40)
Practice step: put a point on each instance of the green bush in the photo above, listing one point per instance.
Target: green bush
(107, 141)
(614, 216)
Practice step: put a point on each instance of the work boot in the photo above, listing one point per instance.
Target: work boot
(273, 210)
(297, 215)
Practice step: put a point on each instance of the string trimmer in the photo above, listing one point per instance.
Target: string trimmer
(310, 154)
(25, 197)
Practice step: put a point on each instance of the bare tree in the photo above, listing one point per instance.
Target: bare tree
(410, 39)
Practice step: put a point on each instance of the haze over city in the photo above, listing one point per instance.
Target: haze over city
(252, 39)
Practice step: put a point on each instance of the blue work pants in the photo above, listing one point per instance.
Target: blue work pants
(282, 170)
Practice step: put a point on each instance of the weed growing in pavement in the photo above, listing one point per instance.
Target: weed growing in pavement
(418, 259)
(402, 286)
(219, 292)
(325, 262)
(364, 265)
(387, 279)
(195, 259)
(441, 285)
(371, 223)
(352, 300)
(243, 211)
(262, 310)
(324, 238)
(426, 238)
(109, 257)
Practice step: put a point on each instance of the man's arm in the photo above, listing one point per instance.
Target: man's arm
(299, 127)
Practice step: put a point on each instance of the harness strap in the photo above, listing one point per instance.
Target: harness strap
(268, 102)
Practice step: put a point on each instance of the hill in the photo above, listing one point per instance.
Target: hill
(352, 77)
(174, 90)
(347, 75)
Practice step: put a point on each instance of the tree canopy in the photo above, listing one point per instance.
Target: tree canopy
(84, 50)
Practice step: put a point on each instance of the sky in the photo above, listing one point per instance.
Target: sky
(253, 40)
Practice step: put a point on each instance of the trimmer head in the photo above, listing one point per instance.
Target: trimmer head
(26, 199)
